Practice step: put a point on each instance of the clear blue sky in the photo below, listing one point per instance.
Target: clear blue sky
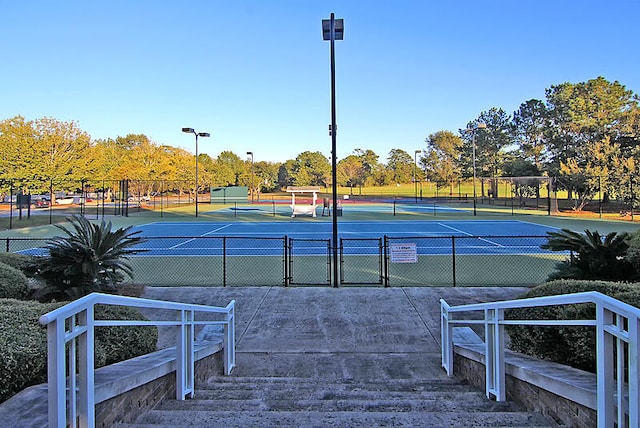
(255, 74)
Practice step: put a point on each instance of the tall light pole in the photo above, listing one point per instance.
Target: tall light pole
(479, 125)
(332, 30)
(197, 134)
(251, 154)
(415, 168)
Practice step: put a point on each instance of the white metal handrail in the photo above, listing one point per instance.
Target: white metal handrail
(70, 331)
(617, 328)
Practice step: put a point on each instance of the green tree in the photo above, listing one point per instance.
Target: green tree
(35, 153)
(310, 169)
(284, 174)
(89, 258)
(370, 164)
(529, 123)
(229, 169)
(596, 173)
(441, 160)
(266, 176)
(587, 112)
(17, 139)
(349, 171)
(492, 143)
(400, 166)
(61, 148)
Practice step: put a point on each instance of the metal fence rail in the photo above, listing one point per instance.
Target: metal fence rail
(612, 197)
(309, 262)
(617, 348)
(70, 344)
(361, 261)
(242, 260)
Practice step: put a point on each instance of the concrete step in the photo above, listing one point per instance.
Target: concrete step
(335, 365)
(232, 401)
(233, 419)
(323, 392)
(274, 383)
(463, 402)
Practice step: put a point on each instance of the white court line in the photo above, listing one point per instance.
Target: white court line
(218, 229)
(454, 229)
(469, 234)
(182, 243)
(193, 239)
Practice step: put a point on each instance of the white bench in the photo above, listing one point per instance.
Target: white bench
(303, 210)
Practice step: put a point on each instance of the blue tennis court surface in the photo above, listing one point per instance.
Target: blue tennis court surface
(384, 206)
(485, 237)
(347, 229)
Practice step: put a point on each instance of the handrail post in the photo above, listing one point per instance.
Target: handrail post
(446, 337)
(634, 372)
(494, 352)
(229, 344)
(185, 356)
(604, 368)
(56, 374)
(86, 360)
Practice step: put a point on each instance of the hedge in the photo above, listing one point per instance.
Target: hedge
(633, 252)
(22, 262)
(13, 283)
(571, 345)
(23, 342)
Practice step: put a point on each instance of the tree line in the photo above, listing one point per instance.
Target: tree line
(585, 135)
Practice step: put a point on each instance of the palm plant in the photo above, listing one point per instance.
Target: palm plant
(592, 255)
(89, 258)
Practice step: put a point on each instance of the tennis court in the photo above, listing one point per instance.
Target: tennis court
(484, 236)
(299, 251)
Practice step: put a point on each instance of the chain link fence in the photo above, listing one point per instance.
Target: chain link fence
(387, 261)
(612, 197)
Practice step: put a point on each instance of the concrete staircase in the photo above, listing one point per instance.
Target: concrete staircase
(250, 401)
(320, 357)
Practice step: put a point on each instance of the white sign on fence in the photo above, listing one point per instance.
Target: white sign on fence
(404, 253)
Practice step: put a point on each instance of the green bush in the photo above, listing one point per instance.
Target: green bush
(25, 263)
(23, 345)
(633, 252)
(13, 283)
(593, 256)
(571, 345)
(23, 342)
(123, 342)
(89, 258)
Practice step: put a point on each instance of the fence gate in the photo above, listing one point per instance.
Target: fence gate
(309, 262)
(361, 261)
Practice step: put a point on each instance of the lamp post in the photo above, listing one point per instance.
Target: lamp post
(332, 30)
(251, 154)
(473, 130)
(415, 168)
(197, 134)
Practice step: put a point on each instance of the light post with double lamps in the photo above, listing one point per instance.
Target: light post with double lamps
(332, 30)
(251, 154)
(197, 134)
(479, 125)
(415, 169)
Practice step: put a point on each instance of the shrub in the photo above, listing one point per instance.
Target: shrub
(633, 252)
(123, 342)
(23, 262)
(571, 345)
(23, 342)
(592, 256)
(13, 283)
(89, 258)
(23, 345)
